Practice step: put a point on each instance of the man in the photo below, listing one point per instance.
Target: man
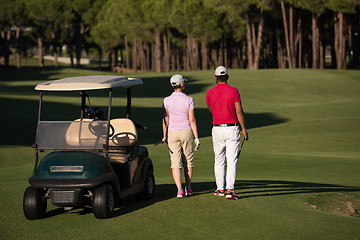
(224, 103)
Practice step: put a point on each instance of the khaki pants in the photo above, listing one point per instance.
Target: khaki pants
(181, 144)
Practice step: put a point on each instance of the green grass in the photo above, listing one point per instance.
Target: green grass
(298, 175)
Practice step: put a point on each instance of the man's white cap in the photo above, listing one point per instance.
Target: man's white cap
(221, 71)
(177, 80)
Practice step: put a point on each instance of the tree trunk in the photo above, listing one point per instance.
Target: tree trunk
(254, 41)
(250, 55)
(298, 41)
(350, 46)
(214, 62)
(157, 51)
(133, 55)
(234, 50)
(241, 57)
(220, 59)
(315, 40)
(100, 58)
(187, 55)
(153, 57)
(53, 38)
(173, 60)
(339, 41)
(356, 41)
(258, 46)
(195, 53)
(116, 56)
(79, 46)
(286, 35)
(6, 43)
(40, 50)
(126, 52)
(291, 32)
(280, 52)
(225, 52)
(342, 40)
(69, 44)
(17, 43)
(112, 58)
(204, 55)
(147, 55)
(192, 53)
(177, 59)
(166, 57)
(234, 55)
(321, 56)
(142, 56)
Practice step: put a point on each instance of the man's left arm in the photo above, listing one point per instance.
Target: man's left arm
(241, 118)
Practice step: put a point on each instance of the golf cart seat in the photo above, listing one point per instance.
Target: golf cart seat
(123, 143)
(86, 133)
(125, 134)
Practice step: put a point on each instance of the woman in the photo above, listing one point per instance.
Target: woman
(179, 129)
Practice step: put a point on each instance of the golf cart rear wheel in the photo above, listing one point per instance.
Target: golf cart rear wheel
(149, 186)
(103, 201)
(34, 203)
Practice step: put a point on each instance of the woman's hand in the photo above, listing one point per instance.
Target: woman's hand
(197, 144)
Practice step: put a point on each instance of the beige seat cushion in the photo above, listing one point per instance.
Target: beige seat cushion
(86, 133)
(125, 133)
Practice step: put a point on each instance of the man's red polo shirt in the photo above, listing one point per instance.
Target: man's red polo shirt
(222, 99)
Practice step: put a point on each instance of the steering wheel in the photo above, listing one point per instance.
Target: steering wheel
(127, 136)
(112, 130)
(96, 127)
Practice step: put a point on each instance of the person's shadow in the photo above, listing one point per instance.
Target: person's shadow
(243, 188)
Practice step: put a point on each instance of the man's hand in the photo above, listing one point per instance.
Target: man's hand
(197, 144)
(245, 135)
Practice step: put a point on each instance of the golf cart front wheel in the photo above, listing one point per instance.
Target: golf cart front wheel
(103, 201)
(34, 203)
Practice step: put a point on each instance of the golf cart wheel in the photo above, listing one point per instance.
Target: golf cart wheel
(34, 203)
(149, 186)
(103, 201)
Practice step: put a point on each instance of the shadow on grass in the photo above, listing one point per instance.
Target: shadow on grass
(266, 188)
(23, 119)
(21, 113)
(244, 189)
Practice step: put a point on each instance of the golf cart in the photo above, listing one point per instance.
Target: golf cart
(90, 161)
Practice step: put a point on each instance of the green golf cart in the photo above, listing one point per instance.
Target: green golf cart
(92, 161)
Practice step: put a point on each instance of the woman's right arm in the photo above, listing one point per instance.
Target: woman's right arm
(192, 121)
(193, 125)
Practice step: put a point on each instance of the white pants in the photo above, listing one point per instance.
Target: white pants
(226, 144)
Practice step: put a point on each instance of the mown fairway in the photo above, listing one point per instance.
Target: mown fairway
(298, 175)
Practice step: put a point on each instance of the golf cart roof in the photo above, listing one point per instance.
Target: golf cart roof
(88, 83)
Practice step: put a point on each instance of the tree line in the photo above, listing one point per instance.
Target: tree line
(173, 35)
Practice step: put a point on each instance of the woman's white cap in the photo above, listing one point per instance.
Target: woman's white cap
(177, 80)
